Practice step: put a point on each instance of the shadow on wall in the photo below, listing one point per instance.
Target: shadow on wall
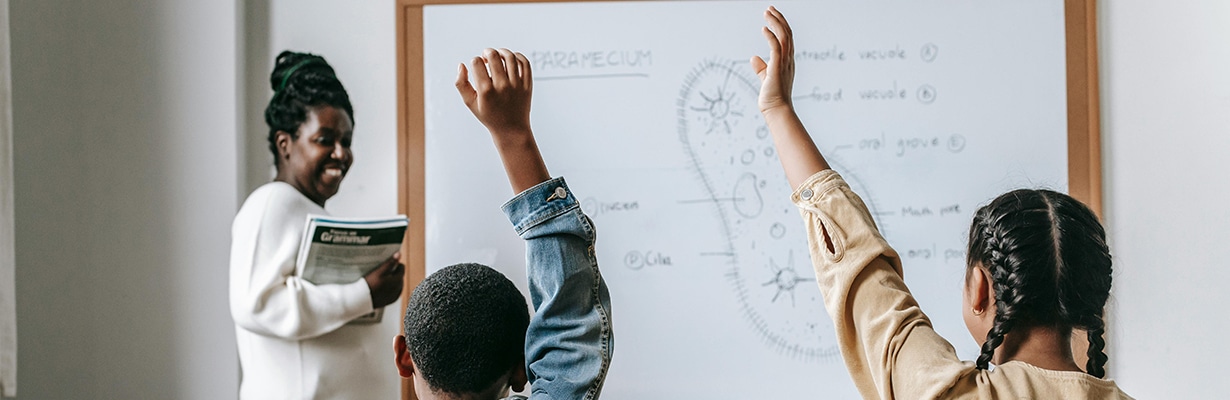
(257, 161)
(125, 180)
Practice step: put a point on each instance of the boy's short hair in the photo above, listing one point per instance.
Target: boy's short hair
(465, 328)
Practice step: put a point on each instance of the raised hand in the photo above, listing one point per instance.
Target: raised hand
(500, 98)
(776, 75)
(795, 149)
(500, 94)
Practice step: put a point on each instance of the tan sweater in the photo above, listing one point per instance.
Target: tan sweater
(888, 344)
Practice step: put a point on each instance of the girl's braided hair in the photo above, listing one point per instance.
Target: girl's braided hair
(1049, 265)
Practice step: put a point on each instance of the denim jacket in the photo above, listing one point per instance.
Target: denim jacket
(569, 343)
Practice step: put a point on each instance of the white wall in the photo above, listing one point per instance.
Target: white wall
(357, 39)
(1166, 132)
(125, 155)
(138, 130)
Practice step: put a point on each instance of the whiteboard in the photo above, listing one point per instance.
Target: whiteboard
(928, 108)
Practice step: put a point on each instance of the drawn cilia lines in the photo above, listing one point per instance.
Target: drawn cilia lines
(762, 246)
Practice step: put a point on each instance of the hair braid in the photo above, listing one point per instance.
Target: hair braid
(1087, 274)
(1096, 365)
(1005, 282)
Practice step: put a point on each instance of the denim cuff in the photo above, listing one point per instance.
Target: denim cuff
(539, 204)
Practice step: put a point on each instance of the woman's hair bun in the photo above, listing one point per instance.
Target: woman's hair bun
(301, 81)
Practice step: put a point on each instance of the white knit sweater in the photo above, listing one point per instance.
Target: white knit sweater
(293, 339)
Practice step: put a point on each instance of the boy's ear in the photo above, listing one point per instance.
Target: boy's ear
(405, 364)
(518, 380)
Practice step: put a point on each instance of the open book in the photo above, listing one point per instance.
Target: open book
(343, 250)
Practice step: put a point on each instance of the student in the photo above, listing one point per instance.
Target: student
(466, 325)
(1038, 266)
(293, 339)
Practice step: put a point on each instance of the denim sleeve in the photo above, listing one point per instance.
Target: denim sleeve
(569, 343)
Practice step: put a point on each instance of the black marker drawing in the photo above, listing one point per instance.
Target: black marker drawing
(732, 154)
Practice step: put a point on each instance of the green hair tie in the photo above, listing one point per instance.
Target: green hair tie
(292, 70)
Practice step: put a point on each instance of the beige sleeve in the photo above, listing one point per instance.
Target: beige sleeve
(888, 344)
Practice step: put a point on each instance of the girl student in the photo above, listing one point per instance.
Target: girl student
(1038, 266)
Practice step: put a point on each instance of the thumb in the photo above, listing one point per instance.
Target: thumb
(468, 95)
(759, 66)
(387, 265)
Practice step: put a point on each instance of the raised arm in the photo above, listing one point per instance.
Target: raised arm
(569, 343)
(500, 99)
(886, 341)
(795, 149)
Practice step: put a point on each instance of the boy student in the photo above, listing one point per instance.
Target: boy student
(1038, 266)
(466, 325)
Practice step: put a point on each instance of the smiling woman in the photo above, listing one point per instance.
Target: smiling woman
(316, 157)
(310, 125)
(295, 338)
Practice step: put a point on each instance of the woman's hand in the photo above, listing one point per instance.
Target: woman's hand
(386, 281)
(776, 75)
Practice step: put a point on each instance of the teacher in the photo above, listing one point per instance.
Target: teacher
(293, 336)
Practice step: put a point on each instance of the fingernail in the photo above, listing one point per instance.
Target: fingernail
(397, 255)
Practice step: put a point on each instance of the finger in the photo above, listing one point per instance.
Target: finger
(759, 67)
(499, 75)
(397, 267)
(782, 29)
(383, 268)
(388, 263)
(463, 85)
(781, 18)
(775, 47)
(482, 80)
(397, 270)
(512, 67)
(527, 76)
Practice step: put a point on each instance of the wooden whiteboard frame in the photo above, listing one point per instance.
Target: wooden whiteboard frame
(1084, 133)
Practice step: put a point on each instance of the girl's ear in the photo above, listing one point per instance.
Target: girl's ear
(980, 292)
(283, 142)
(978, 301)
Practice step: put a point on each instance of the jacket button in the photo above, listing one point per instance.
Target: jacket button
(559, 194)
(806, 194)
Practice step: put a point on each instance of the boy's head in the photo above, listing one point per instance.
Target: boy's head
(464, 335)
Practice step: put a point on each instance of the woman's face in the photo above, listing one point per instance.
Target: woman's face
(318, 158)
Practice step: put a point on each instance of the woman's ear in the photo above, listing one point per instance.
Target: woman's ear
(283, 140)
